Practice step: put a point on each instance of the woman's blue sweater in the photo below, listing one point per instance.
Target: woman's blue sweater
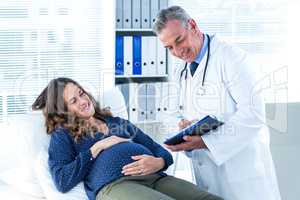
(71, 162)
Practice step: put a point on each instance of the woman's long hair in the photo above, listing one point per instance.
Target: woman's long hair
(52, 102)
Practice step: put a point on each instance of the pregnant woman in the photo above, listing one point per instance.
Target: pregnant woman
(114, 159)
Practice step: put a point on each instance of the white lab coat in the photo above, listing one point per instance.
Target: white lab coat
(238, 163)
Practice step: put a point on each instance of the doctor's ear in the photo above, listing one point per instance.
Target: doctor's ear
(192, 25)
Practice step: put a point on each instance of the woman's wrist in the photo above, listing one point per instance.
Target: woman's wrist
(95, 150)
(161, 162)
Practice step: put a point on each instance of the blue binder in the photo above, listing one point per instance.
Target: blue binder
(119, 64)
(137, 55)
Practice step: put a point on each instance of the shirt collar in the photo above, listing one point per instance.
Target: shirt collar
(203, 50)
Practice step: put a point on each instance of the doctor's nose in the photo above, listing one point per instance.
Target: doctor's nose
(177, 51)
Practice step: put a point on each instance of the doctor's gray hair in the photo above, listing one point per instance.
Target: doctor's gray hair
(170, 13)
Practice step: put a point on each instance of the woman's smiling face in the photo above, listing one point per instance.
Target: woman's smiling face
(78, 102)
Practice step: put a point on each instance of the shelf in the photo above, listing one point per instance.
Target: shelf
(142, 76)
(142, 32)
(140, 79)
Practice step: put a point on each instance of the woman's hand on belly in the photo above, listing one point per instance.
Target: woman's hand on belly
(143, 165)
(106, 143)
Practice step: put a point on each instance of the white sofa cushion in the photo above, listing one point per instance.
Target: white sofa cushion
(47, 184)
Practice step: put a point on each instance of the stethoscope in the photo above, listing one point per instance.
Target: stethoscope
(184, 72)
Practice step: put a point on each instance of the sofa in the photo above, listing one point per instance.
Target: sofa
(24, 173)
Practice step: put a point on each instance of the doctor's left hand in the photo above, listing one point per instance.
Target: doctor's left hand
(191, 142)
(143, 165)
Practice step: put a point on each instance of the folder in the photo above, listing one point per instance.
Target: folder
(136, 14)
(164, 101)
(158, 100)
(154, 7)
(128, 59)
(151, 102)
(124, 88)
(163, 4)
(142, 102)
(149, 55)
(137, 57)
(119, 51)
(145, 16)
(119, 14)
(152, 55)
(133, 102)
(174, 91)
(145, 56)
(126, 13)
(200, 127)
(161, 58)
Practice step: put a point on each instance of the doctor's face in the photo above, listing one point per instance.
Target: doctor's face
(78, 102)
(182, 42)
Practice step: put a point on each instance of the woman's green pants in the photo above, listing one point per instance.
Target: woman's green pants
(153, 187)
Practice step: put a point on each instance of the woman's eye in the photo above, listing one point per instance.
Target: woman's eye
(73, 101)
(81, 93)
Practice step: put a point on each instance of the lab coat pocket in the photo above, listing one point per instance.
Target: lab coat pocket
(247, 164)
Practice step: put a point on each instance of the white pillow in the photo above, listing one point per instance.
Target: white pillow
(31, 137)
(21, 179)
(114, 99)
(47, 184)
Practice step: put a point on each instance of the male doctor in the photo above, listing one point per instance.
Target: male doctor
(233, 162)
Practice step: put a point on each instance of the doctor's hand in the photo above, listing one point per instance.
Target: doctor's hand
(184, 123)
(143, 165)
(191, 142)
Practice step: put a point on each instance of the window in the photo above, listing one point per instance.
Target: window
(260, 28)
(44, 39)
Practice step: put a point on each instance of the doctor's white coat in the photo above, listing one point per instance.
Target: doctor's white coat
(238, 163)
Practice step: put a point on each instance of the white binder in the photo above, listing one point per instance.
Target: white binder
(161, 58)
(145, 56)
(174, 90)
(145, 10)
(158, 102)
(133, 102)
(119, 14)
(149, 57)
(151, 102)
(154, 5)
(163, 4)
(152, 55)
(124, 88)
(136, 14)
(142, 102)
(126, 13)
(165, 104)
(128, 59)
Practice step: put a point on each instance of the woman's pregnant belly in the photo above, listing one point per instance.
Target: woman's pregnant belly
(110, 162)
